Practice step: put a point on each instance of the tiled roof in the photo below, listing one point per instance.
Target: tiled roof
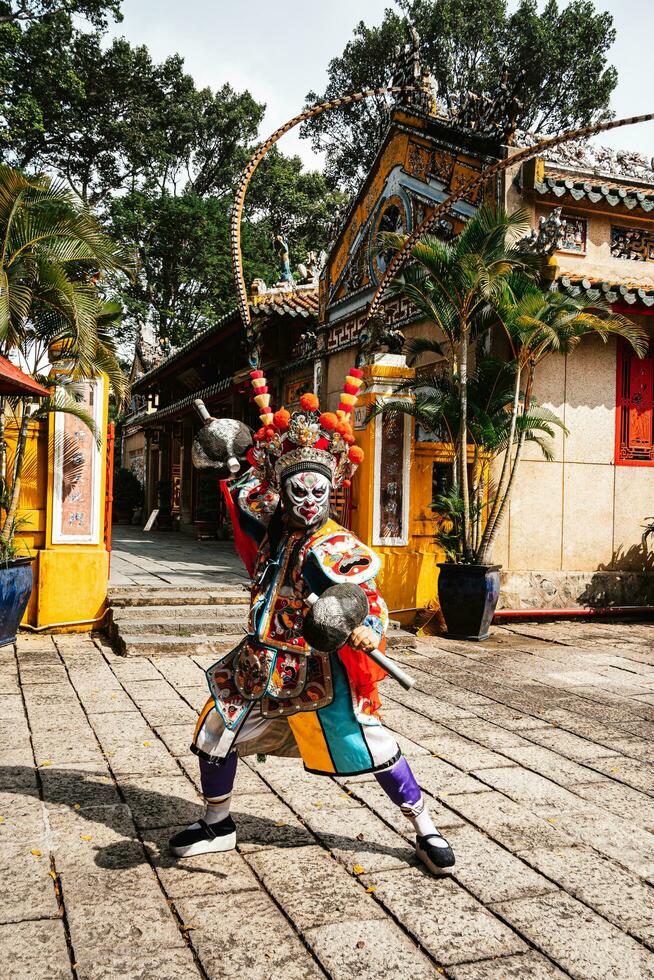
(187, 347)
(181, 404)
(594, 189)
(631, 294)
(300, 301)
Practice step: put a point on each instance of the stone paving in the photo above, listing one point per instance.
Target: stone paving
(535, 749)
(159, 558)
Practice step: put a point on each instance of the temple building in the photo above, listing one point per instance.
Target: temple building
(574, 535)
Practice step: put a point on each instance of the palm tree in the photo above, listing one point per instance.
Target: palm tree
(436, 407)
(457, 285)
(538, 324)
(477, 285)
(53, 253)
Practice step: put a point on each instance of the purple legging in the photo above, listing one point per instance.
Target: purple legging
(218, 778)
(398, 782)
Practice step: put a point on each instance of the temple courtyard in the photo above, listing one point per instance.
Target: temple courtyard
(535, 749)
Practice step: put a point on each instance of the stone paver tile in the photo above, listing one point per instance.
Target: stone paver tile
(569, 746)
(636, 748)
(368, 950)
(78, 745)
(434, 708)
(26, 885)
(440, 779)
(249, 938)
(119, 924)
(59, 698)
(403, 721)
(448, 922)
(527, 966)
(463, 753)
(177, 738)
(410, 748)
(528, 787)
(486, 733)
(9, 680)
(507, 822)
(547, 763)
(590, 728)
(291, 876)
(489, 871)
(374, 797)
(171, 712)
(305, 792)
(78, 785)
(181, 671)
(161, 801)
(577, 939)
(638, 775)
(630, 846)
(35, 951)
(358, 838)
(247, 782)
(22, 821)
(166, 964)
(105, 700)
(635, 807)
(92, 836)
(41, 675)
(618, 895)
(149, 690)
(11, 709)
(17, 770)
(206, 874)
(262, 820)
(132, 669)
(509, 718)
(123, 877)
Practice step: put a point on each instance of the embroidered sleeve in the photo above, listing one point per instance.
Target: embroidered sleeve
(255, 503)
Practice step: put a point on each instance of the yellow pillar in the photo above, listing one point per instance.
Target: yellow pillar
(72, 574)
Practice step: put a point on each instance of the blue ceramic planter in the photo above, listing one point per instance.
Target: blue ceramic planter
(468, 595)
(15, 591)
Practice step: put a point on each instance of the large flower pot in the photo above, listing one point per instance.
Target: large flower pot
(15, 591)
(468, 595)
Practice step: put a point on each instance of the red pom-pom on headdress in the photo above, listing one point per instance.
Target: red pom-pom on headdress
(355, 455)
(281, 419)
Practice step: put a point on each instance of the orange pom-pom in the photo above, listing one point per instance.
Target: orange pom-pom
(281, 419)
(309, 402)
(270, 432)
(260, 433)
(346, 483)
(328, 421)
(348, 437)
(355, 455)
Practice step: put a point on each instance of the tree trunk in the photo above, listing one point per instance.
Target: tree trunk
(7, 527)
(463, 441)
(501, 514)
(497, 502)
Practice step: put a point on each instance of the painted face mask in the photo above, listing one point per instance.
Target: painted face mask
(306, 499)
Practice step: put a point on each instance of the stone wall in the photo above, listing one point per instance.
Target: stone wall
(569, 590)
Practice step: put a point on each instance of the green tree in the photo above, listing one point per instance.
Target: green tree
(52, 254)
(465, 43)
(482, 285)
(27, 11)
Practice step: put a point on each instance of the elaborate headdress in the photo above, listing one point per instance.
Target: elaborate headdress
(307, 439)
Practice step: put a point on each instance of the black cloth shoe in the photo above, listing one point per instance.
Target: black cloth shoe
(435, 853)
(204, 838)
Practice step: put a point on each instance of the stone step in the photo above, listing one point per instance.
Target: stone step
(147, 615)
(152, 645)
(182, 627)
(163, 644)
(176, 597)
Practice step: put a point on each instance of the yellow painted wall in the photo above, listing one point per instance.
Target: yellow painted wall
(70, 581)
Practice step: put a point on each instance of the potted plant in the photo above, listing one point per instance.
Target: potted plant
(128, 495)
(476, 290)
(52, 256)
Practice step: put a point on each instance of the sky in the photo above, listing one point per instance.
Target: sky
(280, 49)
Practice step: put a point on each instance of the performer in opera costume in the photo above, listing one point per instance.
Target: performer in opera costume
(274, 694)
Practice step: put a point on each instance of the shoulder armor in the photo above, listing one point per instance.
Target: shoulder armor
(343, 558)
(255, 499)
